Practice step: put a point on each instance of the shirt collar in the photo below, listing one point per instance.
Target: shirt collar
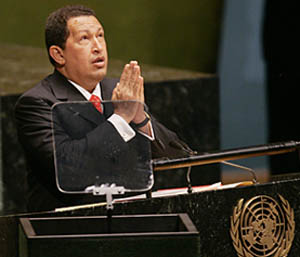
(87, 95)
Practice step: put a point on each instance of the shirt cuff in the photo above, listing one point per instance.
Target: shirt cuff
(123, 128)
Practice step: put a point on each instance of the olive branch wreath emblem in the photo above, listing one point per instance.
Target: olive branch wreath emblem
(280, 248)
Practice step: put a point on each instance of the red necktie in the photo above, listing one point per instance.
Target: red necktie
(96, 102)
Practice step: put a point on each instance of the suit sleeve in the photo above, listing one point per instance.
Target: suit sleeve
(167, 143)
(33, 120)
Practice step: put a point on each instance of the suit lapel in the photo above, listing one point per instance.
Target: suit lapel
(64, 91)
(86, 111)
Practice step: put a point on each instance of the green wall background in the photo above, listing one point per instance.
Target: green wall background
(179, 34)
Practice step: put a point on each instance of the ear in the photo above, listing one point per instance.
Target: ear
(57, 54)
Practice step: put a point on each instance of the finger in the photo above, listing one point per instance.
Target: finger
(132, 87)
(115, 93)
(139, 92)
(125, 75)
(135, 68)
(133, 63)
(141, 89)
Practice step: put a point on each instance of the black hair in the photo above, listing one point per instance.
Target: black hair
(56, 31)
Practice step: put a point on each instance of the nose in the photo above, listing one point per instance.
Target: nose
(97, 45)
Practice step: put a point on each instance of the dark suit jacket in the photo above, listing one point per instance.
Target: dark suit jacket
(34, 123)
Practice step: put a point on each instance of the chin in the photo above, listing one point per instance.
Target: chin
(100, 75)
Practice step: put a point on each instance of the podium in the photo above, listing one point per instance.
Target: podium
(241, 220)
(213, 213)
(210, 211)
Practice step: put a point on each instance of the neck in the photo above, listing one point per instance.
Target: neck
(87, 85)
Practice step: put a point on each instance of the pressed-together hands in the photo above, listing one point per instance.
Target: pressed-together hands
(130, 88)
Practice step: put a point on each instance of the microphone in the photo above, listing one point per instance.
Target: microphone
(183, 147)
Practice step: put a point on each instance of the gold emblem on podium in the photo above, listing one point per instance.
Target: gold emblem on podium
(262, 227)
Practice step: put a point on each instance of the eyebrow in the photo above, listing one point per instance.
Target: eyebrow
(86, 30)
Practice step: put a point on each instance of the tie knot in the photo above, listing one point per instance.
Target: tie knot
(95, 100)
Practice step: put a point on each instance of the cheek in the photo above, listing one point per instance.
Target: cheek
(79, 52)
(80, 59)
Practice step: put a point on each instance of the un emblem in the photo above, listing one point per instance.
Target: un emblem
(262, 227)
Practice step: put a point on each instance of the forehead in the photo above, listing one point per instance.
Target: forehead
(77, 24)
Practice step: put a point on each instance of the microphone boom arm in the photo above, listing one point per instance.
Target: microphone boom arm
(226, 155)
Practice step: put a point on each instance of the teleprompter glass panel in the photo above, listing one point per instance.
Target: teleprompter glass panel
(93, 149)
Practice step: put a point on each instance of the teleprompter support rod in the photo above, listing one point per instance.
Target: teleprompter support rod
(226, 155)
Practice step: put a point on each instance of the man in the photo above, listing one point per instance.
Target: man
(77, 49)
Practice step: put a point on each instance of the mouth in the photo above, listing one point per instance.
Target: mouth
(99, 62)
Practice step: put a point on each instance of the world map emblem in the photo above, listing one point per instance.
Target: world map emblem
(262, 227)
